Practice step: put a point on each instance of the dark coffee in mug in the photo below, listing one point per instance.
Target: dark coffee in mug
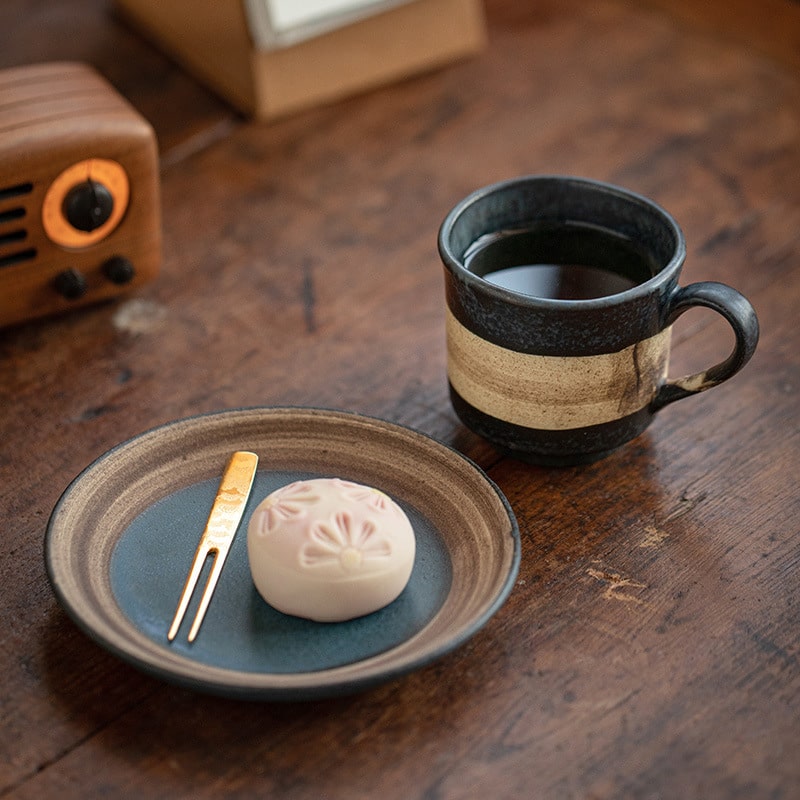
(561, 293)
(569, 261)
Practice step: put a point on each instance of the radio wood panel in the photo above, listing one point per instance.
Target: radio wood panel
(79, 192)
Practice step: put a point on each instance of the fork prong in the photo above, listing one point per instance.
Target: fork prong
(188, 589)
(205, 599)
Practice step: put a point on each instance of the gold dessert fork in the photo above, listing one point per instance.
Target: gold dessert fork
(223, 521)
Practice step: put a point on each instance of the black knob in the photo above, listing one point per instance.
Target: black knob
(119, 270)
(70, 284)
(88, 205)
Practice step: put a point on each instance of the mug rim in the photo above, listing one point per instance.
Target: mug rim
(655, 283)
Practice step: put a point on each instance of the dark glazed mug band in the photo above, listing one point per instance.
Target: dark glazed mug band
(544, 326)
(741, 316)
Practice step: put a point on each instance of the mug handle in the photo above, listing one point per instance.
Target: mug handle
(740, 315)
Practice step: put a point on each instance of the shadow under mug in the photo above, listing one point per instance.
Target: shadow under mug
(566, 381)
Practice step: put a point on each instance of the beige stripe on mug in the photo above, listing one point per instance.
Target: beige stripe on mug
(554, 392)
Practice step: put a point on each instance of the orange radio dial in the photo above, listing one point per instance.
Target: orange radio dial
(85, 203)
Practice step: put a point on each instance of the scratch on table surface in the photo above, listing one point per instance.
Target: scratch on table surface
(139, 316)
(309, 298)
(615, 583)
(687, 503)
(653, 536)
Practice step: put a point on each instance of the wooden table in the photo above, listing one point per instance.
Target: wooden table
(651, 647)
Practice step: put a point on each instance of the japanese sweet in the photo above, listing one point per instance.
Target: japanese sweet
(329, 550)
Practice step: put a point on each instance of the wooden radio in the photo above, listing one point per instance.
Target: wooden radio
(79, 192)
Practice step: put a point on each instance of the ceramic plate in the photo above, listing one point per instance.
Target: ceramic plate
(121, 538)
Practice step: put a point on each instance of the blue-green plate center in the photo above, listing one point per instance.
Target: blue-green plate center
(241, 631)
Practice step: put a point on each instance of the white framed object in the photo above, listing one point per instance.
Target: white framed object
(281, 23)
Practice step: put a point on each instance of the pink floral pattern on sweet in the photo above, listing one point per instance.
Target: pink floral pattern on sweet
(289, 502)
(343, 539)
(357, 493)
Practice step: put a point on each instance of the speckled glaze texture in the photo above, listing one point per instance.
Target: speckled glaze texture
(510, 354)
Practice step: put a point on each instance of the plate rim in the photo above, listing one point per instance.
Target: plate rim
(318, 683)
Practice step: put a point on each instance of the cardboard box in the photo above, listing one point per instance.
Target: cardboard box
(211, 39)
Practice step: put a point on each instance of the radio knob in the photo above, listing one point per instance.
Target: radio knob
(88, 205)
(119, 270)
(70, 284)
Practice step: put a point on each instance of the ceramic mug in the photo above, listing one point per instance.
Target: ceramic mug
(561, 293)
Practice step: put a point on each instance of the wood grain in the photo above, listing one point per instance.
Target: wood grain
(650, 647)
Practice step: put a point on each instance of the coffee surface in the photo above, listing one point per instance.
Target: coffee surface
(564, 261)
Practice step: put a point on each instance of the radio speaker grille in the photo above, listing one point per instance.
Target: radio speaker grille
(14, 247)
